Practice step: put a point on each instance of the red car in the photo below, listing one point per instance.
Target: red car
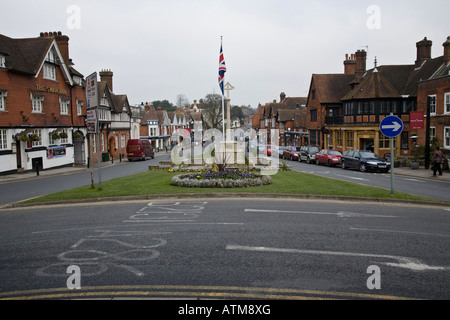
(291, 153)
(329, 157)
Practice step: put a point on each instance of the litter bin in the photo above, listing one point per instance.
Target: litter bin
(105, 157)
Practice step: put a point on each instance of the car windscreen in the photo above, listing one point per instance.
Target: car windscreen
(334, 153)
(313, 150)
(368, 155)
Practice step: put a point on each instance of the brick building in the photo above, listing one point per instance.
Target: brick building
(115, 119)
(345, 110)
(42, 105)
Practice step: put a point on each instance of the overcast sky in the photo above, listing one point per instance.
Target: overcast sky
(159, 49)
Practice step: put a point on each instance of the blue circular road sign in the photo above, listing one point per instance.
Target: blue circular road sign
(391, 126)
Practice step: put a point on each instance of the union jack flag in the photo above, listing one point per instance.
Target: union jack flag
(222, 69)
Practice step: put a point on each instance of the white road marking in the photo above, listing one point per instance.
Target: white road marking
(339, 214)
(405, 232)
(354, 178)
(401, 262)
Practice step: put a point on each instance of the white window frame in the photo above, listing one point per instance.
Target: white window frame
(64, 106)
(79, 108)
(432, 104)
(3, 95)
(37, 104)
(39, 142)
(49, 71)
(123, 141)
(65, 140)
(432, 133)
(447, 103)
(3, 139)
(446, 137)
(102, 141)
(2, 61)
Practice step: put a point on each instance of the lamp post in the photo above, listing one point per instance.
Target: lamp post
(427, 132)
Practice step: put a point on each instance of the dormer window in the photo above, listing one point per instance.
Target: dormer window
(104, 101)
(51, 57)
(2, 61)
(49, 71)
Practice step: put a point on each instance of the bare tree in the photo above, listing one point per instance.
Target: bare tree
(212, 112)
(182, 101)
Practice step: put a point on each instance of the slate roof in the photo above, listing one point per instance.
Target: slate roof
(24, 55)
(330, 88)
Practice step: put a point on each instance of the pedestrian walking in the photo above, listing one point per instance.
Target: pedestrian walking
(438, 159)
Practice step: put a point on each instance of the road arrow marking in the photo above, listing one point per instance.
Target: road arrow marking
(402, 262)
(340, 214)
(395, 126)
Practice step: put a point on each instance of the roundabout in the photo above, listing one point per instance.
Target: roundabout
(229, 178)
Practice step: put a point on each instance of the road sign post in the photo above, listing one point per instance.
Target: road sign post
(92, 119)
(391, 127)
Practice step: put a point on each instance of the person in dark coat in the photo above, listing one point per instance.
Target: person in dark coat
(438, 159)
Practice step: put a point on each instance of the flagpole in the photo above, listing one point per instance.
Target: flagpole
(223, 103)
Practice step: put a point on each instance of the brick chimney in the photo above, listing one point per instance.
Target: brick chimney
(349, 64)
(446, 45)
(61, 40)
(423, 51)
(107, 76)
(360, 65)
(282, 97)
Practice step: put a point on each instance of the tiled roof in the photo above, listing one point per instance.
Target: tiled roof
(24, 55)
(330, 88)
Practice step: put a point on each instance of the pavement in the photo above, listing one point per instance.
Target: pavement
(402, 171)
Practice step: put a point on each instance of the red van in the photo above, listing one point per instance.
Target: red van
(139, 149)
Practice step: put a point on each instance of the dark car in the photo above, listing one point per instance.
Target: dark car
(291, 153)
(280, 151)
(329, 157)
(308, 153)
(364, 161)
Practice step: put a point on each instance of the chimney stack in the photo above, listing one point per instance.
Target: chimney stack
(423, 51)
(446, 45)
(107, 76)
(61, 40)
(360, 66)
(282, 97)
(349, 64)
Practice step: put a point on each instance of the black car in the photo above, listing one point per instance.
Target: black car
(364, 161)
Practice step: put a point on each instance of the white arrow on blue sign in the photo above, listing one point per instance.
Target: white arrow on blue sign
(391, 126)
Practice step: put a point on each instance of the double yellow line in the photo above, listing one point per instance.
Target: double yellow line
(187, 292)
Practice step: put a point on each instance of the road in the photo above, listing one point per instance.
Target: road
(434, 189)
(238, 248)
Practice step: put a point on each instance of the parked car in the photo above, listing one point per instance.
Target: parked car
(268, 150)
(139, 149)
(329, 157)
(364, 161)
(291, 153)
(308, 153)
(280, 151)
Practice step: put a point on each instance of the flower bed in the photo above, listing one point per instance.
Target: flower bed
(231, 178)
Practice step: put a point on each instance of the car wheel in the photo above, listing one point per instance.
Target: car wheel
(343, 166)
(362, 167)
(329, 163)
(317, 162)
(308, 159)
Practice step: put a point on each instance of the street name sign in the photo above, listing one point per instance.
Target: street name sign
(391, 126)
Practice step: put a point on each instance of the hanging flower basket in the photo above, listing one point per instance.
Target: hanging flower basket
(63, 135)
(33, 137)
(55, 135)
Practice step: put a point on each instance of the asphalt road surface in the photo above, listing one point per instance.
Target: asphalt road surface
(234, 248)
